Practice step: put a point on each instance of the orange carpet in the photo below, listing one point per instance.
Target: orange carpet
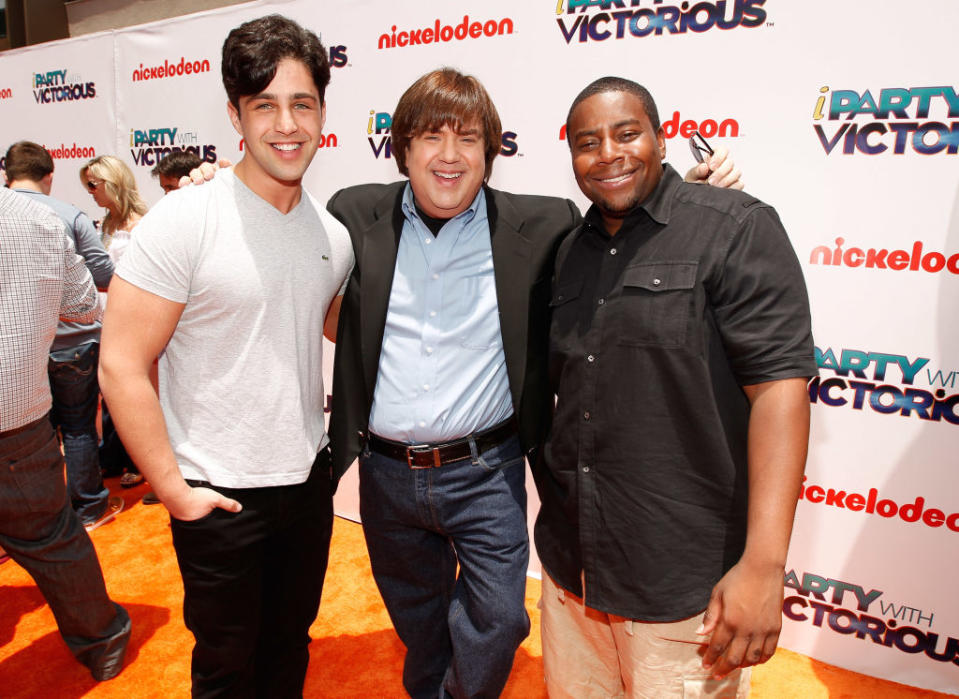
(354, 653)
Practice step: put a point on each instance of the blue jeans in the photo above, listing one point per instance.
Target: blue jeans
(42, 533)
(461, 632)
(73, 384)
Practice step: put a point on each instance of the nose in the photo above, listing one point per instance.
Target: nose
(449, 152)
(285, 120)
(607, 150)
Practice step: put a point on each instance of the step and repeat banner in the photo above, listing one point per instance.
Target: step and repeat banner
(843, 114)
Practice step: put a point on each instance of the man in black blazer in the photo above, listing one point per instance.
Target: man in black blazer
(440, 383)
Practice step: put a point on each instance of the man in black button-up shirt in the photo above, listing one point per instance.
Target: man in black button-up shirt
(680, 350)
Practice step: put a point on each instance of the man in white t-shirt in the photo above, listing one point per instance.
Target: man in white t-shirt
(233, 282)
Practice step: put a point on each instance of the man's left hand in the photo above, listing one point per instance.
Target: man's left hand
(744, 617)
(719, 170)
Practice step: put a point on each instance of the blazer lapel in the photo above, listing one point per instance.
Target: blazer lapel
(512, 270)
(377, 264)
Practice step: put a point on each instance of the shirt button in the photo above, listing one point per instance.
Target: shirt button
(586, 416)
(435, 275)
(559, 298)
(601, 302)
(432, 314)
(657, 281)
(429, 350)
(612, 251)
(427, 241)
(590, 358)
(585, 469)
(426, 387)
(422, 423)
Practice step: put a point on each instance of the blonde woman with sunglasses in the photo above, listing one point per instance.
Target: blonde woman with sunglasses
(112, 186)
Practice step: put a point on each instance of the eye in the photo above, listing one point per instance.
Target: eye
(628, 135)
(263, 107)
(587, 145)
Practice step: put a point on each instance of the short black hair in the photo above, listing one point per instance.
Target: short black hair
(26, 160)
(252, 52)
(177, 163)
(614, 84)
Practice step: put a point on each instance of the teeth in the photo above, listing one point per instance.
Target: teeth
(286, 146)
(619, 178)
(448, 175)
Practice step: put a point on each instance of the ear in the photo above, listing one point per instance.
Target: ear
(661, 142)
(46, 182)
(234, 117)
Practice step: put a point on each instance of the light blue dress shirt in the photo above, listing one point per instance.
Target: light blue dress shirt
(442, 372)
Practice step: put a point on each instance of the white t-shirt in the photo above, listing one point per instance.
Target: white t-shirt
(241, 380)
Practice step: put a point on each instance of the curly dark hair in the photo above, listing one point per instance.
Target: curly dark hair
(253, 50)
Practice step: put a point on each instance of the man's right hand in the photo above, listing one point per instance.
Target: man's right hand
(198, 502)
(204, 173)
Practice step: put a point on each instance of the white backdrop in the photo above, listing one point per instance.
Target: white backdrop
(873, 564)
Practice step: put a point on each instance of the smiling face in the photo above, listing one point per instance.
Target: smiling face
(617, 155)
(281, 127)
(446, 169)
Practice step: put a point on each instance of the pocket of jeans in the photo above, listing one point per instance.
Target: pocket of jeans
(209, 516)
(480, 462)
(38, 476)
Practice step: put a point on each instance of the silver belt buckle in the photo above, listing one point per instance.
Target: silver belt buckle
(422, 449)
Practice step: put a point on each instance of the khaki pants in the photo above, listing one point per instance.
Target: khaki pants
(588, 653)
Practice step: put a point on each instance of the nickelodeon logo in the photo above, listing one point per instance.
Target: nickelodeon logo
(677, 126)
(170, 70)
(445, 32)
(883, 258)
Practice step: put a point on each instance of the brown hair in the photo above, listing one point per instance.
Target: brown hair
(445, 97)
(26, 160)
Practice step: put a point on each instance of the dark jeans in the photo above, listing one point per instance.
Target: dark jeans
(252, 582)
(461, 632)
(73, 384)
(42, 533)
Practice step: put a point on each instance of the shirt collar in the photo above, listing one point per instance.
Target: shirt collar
(658, 205)
(477, 206)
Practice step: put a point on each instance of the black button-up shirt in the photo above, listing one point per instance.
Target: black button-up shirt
(654, 331)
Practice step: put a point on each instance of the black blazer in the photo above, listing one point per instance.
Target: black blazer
(525, 231)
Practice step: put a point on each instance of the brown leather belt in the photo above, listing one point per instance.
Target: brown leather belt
(23, 428)
(436, 455)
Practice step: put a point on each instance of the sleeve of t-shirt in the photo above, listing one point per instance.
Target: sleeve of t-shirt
(760, 303)
(160, 256)
(340, 242)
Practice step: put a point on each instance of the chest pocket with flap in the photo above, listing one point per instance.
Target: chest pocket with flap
(656, 303)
